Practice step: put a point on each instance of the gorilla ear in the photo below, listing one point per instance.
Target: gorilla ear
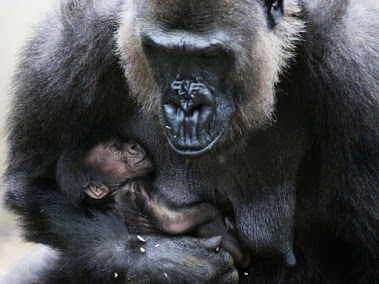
(96, 191)
(275, 10)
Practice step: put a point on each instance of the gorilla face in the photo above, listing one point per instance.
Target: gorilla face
(193, 74)
(208, 69)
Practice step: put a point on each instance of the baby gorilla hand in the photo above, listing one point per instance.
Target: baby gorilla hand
(160, 259)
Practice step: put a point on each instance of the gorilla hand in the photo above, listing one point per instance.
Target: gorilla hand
(180, 260)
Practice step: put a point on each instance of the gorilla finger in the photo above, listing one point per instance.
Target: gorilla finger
(213, 244)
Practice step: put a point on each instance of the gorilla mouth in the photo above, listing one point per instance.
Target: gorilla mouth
(189, 134)
(192, 145)
(191, 121)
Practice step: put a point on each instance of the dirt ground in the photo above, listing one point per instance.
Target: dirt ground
(16, 19)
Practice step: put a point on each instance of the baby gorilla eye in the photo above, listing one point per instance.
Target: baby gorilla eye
(116, 147)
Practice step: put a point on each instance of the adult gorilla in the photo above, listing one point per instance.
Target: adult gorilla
(270, 109)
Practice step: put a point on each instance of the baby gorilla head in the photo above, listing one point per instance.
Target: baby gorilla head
(113, 163)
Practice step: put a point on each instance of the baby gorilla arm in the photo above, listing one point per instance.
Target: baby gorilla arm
(200, 220)
(134, 197)
(181, 220)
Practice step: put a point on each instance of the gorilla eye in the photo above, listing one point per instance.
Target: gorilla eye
(275, 11)
(163, 51)
(152, 49)
(210, 54)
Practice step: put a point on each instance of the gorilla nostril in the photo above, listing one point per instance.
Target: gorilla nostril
(189, 107)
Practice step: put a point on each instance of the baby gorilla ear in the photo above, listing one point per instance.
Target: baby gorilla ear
(96, 192)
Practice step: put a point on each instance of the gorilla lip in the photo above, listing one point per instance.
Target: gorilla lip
(196, 152)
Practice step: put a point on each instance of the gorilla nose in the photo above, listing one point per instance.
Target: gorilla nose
(188, 106)
(190, 96)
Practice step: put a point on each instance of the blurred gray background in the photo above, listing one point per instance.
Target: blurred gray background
(16, 20)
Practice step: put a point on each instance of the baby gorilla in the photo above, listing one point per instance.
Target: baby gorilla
(112, 177)
(110, 165)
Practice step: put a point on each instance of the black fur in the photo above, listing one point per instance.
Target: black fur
(310, 181)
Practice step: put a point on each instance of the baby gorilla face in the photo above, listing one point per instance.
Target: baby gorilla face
(117, 161)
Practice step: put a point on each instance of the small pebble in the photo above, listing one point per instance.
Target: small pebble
(142, 250)
(168, 127)
(218, 249)
(115, 275)
(166, 275)
(141, 239)
(157, 245)
(246, 273)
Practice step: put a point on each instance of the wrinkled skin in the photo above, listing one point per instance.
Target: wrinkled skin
(117, 162)
(111, 164)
